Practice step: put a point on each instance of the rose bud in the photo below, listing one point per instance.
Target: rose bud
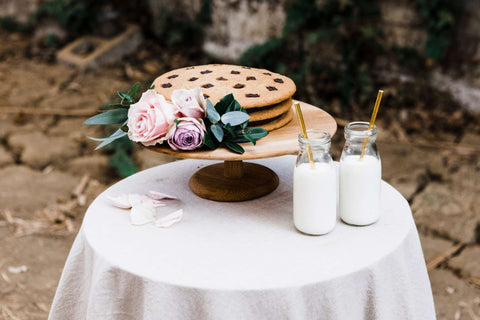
(191, 103)
(187, 134)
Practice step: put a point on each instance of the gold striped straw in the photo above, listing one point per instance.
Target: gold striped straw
(372, 121)
(304, 134)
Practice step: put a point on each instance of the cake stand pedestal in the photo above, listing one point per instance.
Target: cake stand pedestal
(235, 180)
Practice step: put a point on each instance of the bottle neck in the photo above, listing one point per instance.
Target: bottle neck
(357, 132)
(318, 140)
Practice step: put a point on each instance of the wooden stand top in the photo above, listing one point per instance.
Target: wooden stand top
(277, 143)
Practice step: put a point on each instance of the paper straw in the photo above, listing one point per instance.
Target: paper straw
(372, 121)
(304, 134)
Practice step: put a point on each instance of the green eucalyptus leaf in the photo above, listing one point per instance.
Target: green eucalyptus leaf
(235, 118)
(224, 103)
(212, 114)
(217, 131)
(116, 116)
(256, 133)
(133, 91)
(209, 141)
(249, 138)
(125, 96)
(230, 130)
(116, 135)
(234, 106)
(234, 147)
(115, 105)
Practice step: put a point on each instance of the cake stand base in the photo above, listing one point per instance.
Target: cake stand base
(233, 181)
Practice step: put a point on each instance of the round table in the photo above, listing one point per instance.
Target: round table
(242, 260)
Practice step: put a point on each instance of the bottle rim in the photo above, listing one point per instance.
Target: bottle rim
(360, 129)
(316, 137)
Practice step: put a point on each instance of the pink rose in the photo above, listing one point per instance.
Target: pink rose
(149, 118)
(191, 103)
(187, 134)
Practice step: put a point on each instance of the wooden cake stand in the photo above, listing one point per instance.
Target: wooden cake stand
(235, 180)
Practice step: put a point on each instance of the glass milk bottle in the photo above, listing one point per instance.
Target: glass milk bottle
(314, 189)
(360, 179)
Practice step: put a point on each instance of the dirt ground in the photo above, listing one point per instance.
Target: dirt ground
(49, 174)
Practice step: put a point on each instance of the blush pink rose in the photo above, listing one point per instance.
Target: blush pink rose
(190, 103)
(187, 134)
(149, 118)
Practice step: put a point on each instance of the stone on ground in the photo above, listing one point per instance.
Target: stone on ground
(433, 247)
(6, 157)
(38, 150)
(467, 262)
(453, 296)
(30, 293)
(448, 209)
(96, 166)
(23, 190)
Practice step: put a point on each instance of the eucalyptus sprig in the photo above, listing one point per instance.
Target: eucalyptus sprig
(115, 113)
(226, 124)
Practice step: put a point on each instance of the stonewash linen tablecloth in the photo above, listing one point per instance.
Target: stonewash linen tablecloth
(241, 260)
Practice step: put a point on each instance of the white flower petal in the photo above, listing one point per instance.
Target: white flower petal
(142, 213)
(134, 199)
(159, 195)
(120, 201)
(157, 203)
(169, 219)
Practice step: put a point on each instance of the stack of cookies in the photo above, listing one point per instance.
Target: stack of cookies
(266, 96)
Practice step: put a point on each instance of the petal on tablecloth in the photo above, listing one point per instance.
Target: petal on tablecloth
(159, 195)
(143, 213)
(169, 219)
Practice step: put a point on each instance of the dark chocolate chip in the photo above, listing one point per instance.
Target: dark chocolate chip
(251, 78)
(278, 80)
(173, 76)
(252, 95)
(235, 72)
(271, 88)
(239, 86)
(205, 71)
(267, 73)
(208, 85)
(166, 85)
(221, 79)
(193, 79)
(206, 96)
(190, 68)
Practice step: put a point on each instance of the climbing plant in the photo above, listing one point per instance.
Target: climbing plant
(439, 19)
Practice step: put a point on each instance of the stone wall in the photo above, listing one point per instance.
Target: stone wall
(239, 24)
(19, 9)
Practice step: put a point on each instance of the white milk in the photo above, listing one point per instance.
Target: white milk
(360, 189)
(314, 198)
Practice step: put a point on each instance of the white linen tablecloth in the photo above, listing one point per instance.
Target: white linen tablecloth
(241, 260)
